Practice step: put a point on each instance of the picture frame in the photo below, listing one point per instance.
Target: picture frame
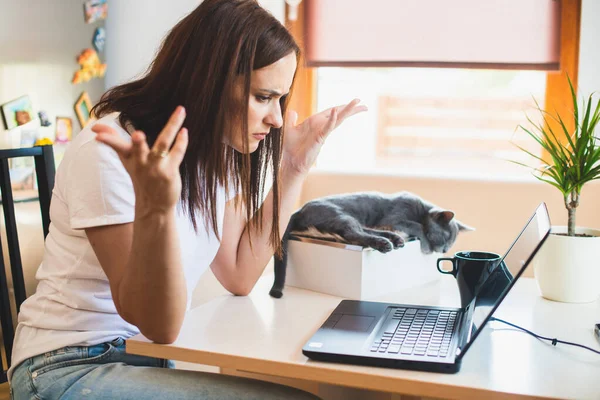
(17, 112)
(95, 10)
(64, 129)
(83, 105)
(99, 39)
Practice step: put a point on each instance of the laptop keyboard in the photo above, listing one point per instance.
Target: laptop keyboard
(419, 332)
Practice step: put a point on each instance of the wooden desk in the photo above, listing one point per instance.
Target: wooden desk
(262, 335)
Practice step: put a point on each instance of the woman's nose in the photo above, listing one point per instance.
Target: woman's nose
(274, 118)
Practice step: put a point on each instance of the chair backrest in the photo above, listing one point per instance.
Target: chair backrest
(45, 171)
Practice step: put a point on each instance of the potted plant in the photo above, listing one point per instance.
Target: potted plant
(567, 267)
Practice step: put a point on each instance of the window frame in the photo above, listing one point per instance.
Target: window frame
(557, 97)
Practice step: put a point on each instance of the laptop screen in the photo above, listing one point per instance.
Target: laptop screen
(497, 280)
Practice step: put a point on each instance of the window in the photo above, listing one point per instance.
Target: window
(434, 120)
(463, 116)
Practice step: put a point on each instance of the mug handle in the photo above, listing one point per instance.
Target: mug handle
(452, 271)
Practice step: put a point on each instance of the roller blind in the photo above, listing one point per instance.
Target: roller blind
(506, 34)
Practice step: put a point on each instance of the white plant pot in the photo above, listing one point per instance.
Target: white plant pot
(567, 268)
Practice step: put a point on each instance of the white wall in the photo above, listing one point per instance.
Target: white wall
(589, 48)
(135, 29)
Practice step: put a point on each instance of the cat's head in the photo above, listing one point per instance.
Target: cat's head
(441, 230)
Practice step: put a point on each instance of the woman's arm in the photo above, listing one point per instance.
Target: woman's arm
(142, 259)
(237, 266)
(143, 266)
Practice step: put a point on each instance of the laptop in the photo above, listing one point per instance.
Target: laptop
(425, 338)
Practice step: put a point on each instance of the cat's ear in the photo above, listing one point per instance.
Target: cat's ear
(442, 216)
(463, 227)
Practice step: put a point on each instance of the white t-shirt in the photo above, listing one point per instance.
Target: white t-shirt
(73, 304)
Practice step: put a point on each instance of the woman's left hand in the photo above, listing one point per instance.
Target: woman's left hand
(303, 142)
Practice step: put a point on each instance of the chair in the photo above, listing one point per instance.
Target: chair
(45, 171)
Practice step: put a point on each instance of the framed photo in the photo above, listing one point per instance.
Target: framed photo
(95, 10)
(99, 39)
(64, 129)
(83, 105)
(17, 112)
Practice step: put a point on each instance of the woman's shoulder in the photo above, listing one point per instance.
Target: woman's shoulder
(84, 153)
(84, 145)
(87, 136)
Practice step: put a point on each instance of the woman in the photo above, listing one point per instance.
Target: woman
(147, 198)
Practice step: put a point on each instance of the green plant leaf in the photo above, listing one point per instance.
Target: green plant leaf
(566, 132)
(531, 154)
(574, 100)
(573, 160)
(550, 182)
(553, 148)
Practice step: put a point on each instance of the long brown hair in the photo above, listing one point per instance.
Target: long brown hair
(197, 66)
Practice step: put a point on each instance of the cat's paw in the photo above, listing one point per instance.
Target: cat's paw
(382, 245)
(426, 248)
(277, 293)
(397, 241)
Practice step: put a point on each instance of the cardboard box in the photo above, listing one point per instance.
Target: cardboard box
(355, 272)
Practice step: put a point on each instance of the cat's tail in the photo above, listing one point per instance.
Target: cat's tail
(280, 264)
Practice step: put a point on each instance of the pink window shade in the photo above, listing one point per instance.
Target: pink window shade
(519, 34)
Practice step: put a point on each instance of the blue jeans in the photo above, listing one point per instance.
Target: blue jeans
(105, 371)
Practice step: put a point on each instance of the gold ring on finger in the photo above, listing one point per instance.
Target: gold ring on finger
(159, 153)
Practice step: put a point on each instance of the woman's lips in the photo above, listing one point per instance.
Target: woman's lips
(259, 136)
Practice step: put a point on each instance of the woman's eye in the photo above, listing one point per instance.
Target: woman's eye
(262, 99)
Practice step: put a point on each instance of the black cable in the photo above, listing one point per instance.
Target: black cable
(554, 341)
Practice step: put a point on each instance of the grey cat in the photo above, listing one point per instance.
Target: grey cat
(371, 219)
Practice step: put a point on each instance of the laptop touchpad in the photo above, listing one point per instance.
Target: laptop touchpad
(355, 323)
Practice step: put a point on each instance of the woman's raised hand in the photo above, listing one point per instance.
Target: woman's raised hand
(303, 142)
(154, 172)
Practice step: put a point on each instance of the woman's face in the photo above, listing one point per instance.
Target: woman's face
(267, 86)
